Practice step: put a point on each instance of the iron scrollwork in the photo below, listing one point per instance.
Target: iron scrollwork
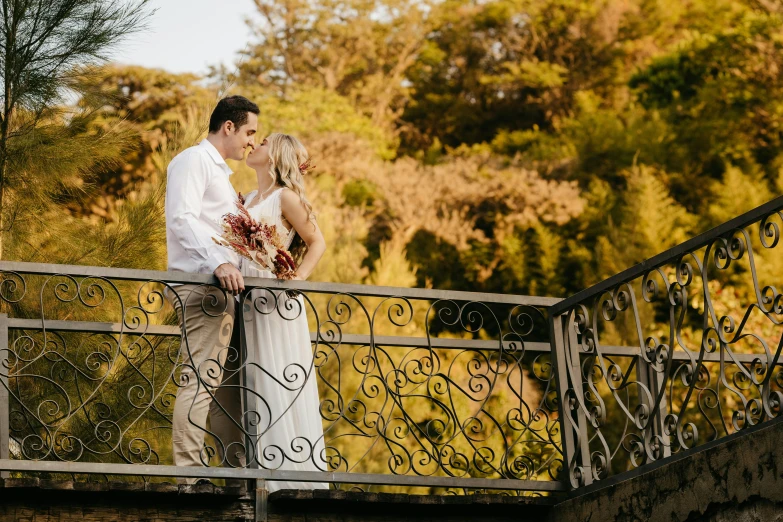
(697, 370)
(407, 386)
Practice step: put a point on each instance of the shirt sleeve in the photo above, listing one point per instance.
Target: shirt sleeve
(186, 185)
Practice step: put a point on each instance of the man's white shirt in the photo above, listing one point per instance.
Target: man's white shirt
(198, 195)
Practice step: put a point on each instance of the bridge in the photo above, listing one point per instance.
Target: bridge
(654, 395)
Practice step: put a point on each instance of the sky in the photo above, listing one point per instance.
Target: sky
(189, 35)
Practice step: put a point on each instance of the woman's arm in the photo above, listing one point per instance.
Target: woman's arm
(296, 214)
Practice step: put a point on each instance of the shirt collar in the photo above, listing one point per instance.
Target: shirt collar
(216, 157)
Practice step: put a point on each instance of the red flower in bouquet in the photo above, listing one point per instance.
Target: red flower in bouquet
(258, 241)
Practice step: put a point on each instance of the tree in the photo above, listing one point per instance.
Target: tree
(721, 92)
(152, 105)
(356, 48)
(508, 64)
(46, 47)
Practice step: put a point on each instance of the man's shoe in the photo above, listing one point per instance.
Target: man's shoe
(203, 482)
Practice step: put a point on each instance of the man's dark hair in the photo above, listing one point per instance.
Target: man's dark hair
(233, 109)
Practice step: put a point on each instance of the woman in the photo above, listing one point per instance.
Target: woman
(289, 431)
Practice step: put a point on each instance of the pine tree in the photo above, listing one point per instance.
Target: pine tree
(46, 48)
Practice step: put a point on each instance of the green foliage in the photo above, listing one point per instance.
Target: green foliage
(649, 221)
(516, 146)
(506, 65)
(724, 204)
(392, 268)
(153, 106)
(534, 144)
(359, 192)
(317, 112)
(720, 92)
(48, 49)
(362, 53)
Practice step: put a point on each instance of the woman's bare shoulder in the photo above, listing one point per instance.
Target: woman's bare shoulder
(289, 198)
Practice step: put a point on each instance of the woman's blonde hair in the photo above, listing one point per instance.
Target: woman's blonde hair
(288, 162)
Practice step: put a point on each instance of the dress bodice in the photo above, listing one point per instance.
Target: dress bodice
(270, 209)
(267, 210)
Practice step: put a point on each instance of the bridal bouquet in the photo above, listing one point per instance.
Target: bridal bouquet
(258, 241)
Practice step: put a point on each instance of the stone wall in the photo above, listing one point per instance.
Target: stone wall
(735, 479)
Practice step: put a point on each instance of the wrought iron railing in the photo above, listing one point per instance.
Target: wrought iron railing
(681, 349)
(416, 388)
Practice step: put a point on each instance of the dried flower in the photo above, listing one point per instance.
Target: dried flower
(258, 241)
(306, 167)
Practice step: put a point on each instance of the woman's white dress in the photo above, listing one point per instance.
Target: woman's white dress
(280, 365)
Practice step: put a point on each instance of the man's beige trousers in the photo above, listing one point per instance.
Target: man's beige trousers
(209, 380)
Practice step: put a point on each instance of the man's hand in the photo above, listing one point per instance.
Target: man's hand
(230, 278)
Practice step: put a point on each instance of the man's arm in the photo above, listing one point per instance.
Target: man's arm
(187, 183)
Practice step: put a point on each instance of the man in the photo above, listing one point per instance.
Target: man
(198, 194)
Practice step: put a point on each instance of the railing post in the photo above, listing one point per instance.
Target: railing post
(262, 501)
(575, 369)
(653, 381)
(565, 362)
(561, 380)
(246, 383)
(5, 406)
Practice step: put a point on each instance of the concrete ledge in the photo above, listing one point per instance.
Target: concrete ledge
(35, 500)
(120, 487)
(334, 495)
(38, 500)
(356, 506)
